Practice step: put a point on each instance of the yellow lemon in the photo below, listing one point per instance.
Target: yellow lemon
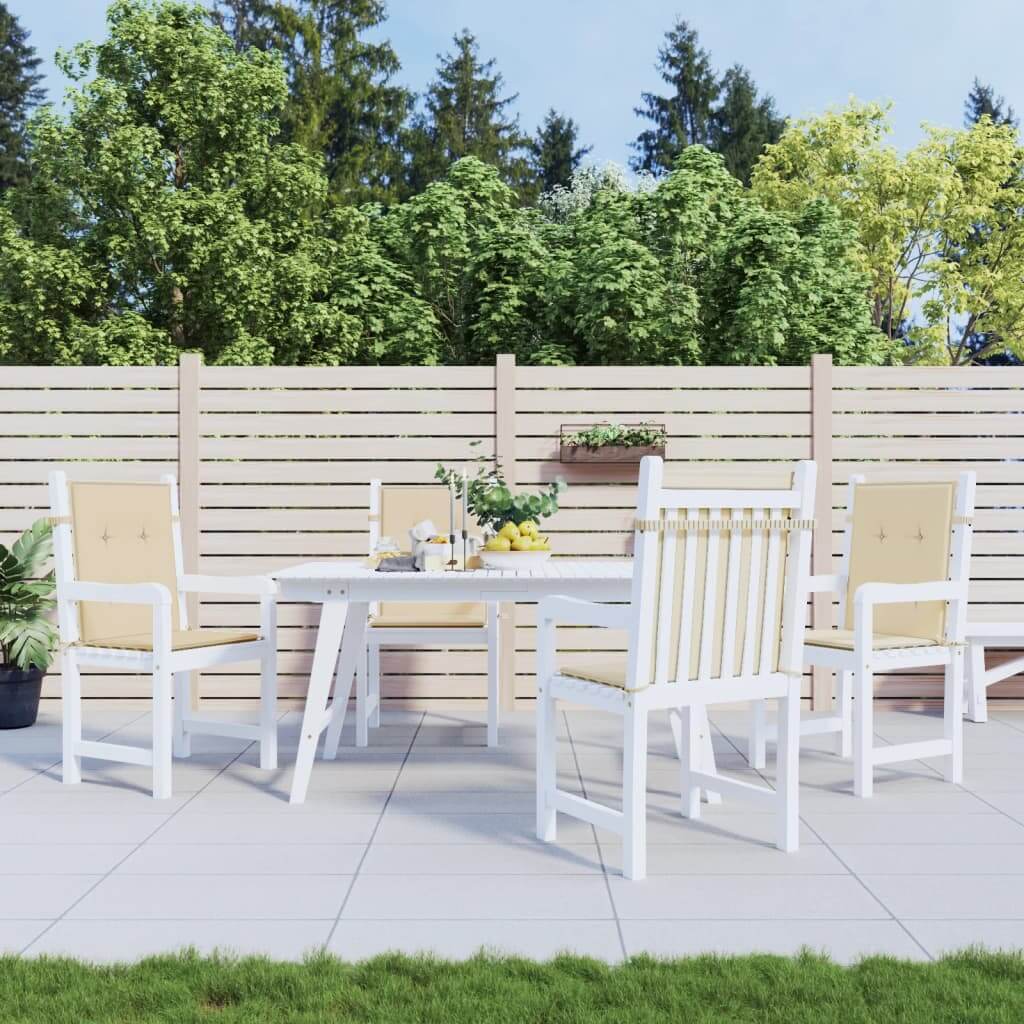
(509, 530)
(522, 544)
(541, 544)
(498, 544)
(528, 528)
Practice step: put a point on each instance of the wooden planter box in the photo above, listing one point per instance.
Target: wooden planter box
(606, 453)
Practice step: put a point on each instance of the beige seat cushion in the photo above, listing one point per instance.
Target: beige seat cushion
(181, 640)
(610, 672)
(842, 640)
(397, 615)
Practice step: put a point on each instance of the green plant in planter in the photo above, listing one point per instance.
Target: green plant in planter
(491, 501)
(27, 637)
(604, 435)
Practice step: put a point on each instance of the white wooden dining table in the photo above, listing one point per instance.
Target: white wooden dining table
(345, 591)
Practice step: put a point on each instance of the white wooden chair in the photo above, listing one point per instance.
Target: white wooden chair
(719, 590)
(121, 605)
(393, 510)
(902, 590)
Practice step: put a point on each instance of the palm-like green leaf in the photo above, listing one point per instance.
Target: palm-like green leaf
(27, 637)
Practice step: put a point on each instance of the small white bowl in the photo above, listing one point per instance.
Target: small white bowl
(513, 559)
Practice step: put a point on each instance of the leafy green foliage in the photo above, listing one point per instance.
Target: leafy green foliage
(492, 502)
(603, 435)
(937, 231)
(19, 92)
(342, 101)
(27, 637)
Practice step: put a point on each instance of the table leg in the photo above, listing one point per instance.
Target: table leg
(353, 645)
(314, 717)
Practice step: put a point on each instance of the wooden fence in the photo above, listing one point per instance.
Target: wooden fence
(274, 464)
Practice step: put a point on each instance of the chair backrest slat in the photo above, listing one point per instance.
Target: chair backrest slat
(715, 585)
(755, 584)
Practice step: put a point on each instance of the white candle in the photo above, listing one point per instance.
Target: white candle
(451, 510)
(465, 500)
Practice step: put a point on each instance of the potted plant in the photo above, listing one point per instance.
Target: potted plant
(509, 520)
(27, 637)
(611, 442)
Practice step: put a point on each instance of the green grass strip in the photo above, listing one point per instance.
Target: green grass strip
(973, 986)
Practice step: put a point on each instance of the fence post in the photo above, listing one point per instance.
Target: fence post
(189, 366)
(821, 562)
(505, 454)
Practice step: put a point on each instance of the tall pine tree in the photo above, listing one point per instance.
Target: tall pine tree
(683, 118)
(743, 123)
(554, 153)
(982, 100)
(20, 91)
(466, 115)
(343, 101)
(725, 114)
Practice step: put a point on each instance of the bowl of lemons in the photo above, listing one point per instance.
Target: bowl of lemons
(516, 546)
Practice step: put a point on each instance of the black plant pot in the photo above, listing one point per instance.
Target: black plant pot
(19, 696)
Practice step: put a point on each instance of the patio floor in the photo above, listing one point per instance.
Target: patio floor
(424, 841)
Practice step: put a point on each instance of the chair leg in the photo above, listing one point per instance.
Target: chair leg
(546, 766)
(268, 710)
(787, 765)
(362, 715)
(373, 683)
(844, 700)
(493, 687)
(71, 731)
(634, 794)
(863, 733)
(953, 716)
(977, 696)
(758, 740)
(182, 701)
(163, 729)
(684, 730)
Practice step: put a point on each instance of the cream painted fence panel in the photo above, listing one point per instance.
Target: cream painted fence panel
(275, 461)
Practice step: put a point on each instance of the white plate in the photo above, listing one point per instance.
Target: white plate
(513, 559)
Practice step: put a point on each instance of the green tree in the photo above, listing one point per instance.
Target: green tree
(467, 114)
(743, 123)
(982, 101)
(20, 91)
(164, 216)
(724, 114)
(683, 118)
(343, 102)
(555, 152)
(937, 230)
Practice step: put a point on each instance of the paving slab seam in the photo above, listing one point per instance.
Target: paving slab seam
(369, 842)
(215, 775)
(597, 839)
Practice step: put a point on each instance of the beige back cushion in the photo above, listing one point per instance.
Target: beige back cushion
(902, 534)
(401, 508)
(749, 555)
(123, 533)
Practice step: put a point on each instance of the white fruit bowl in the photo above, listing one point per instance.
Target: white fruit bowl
(513, 559)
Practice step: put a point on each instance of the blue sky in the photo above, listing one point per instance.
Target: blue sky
(592, 58)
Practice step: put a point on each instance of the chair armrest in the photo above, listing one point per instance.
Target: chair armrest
(118, 593)
(255, 585)
(832, 582)
(906, 593)
(572, 611)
